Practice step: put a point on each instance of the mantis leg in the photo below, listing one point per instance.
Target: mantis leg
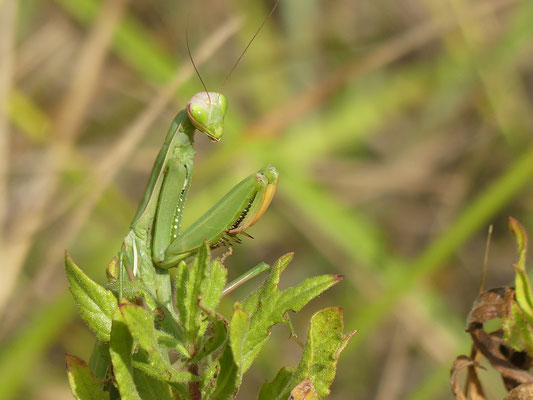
(238, 210)
(255, 271)
(167, 223)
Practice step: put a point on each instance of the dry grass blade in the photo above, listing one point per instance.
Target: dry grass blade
(7, 38)
(120, 153)
(393, 376)
(76, 101)
(73, 109)
(279, 119)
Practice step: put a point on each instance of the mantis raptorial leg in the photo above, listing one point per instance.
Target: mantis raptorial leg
(255, 271)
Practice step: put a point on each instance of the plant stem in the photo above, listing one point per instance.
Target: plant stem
(194, 387)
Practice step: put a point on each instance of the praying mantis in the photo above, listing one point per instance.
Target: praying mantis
(155, 242)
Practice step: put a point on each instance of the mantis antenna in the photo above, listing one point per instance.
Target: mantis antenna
(248, 45)
(193, 63)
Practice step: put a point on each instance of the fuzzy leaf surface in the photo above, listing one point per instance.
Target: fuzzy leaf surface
(96, 304)
(517, 329)
(218, 336)
(84, 384)
(214, 285)
(150, 360)
(190, 284)
(202, 282)
(325, 342)
(229, 379)
(151, 388)
(120, 349)
(170, 333)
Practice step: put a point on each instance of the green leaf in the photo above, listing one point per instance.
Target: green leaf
(219, 334)
(209, 379)
(239, 328)
(132, 290)
(169, 332)
(151, 388)
(84, 384)
(517, 328)
(95, 303)
(140, 325)
(189, 289)
(180, 279)
(152, 361)
(270, 285)
(171, 342)
(120, 349)
(100, 359)
(523, 294)
(229, 379)
(325, 342)
(203, 281)
(252, 320)
(518, 323)
(212, 293)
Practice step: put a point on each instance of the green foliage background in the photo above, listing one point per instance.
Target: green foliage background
(401, 130)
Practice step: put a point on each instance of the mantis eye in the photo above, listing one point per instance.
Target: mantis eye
(198, 115)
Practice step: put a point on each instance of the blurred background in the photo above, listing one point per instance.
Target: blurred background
(401, 129)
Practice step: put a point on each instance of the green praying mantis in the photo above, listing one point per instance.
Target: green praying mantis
(155, 242)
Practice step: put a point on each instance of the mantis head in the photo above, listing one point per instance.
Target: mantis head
(206, 110)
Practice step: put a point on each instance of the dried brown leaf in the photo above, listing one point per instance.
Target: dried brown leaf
(522, 392)
(490, 304)
(460, 363)
(510, 364)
